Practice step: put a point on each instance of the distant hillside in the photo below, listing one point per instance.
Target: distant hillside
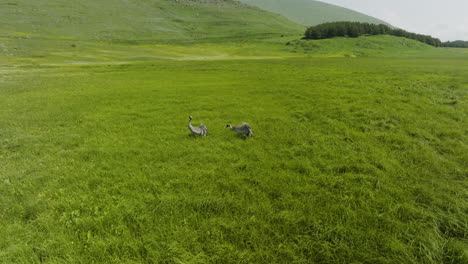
(310, 12)
(364, 46)
(138, 20)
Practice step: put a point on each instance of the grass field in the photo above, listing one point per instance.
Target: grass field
(359, 153)
(353, 160)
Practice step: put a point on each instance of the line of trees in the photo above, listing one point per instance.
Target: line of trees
(456, 44)
(356, 29)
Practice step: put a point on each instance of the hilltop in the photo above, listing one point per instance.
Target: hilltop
(310, 12)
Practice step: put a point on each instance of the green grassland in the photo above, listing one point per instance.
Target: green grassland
(310, 12)
(353, 160)
(359, 153)
(96, 52)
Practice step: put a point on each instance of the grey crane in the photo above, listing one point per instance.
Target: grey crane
(243, 129)
(201, 130)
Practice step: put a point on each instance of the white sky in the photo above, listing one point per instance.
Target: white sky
(444, 19)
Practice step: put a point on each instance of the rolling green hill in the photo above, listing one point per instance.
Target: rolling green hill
(46, 29)
(310, 12)
(138, 20)
(364, 46)
(58, 31)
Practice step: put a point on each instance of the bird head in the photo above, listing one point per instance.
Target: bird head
(190, 117)
(228, 125)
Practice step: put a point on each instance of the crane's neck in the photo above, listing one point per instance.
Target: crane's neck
(190, 123)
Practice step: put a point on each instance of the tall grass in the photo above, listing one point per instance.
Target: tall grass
(352, 161)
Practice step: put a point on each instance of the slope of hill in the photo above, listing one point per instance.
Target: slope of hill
(364, 46)
(138, 20)
(44, 29)
(310, 12)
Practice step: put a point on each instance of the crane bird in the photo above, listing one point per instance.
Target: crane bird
(243, 129)
(201, 130)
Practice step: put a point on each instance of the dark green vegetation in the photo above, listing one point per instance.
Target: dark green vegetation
(310, 12)
(356, 29)
(353, 160)
(456, 44)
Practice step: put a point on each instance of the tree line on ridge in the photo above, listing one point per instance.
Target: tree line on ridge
(356, 29)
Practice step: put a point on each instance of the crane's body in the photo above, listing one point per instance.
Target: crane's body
(201, 130)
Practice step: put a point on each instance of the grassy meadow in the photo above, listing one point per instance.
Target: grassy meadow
(353, 160)
(359, 153)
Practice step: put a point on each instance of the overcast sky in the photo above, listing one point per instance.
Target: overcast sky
(444, 19)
